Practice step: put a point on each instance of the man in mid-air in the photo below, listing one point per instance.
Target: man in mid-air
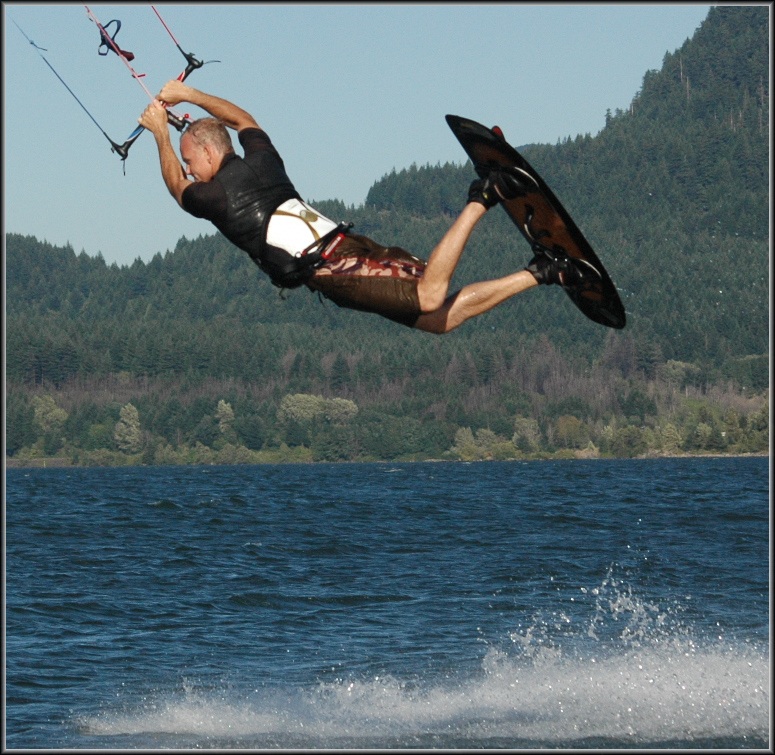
(253, 203)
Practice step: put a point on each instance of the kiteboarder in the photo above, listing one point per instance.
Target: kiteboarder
(254, 204)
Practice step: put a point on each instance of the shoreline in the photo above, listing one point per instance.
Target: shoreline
(55, 462)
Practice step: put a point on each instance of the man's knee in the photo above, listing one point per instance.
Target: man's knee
(431, 297)
(442, 319)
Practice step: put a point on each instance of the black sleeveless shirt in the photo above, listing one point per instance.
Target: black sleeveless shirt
(241, 197)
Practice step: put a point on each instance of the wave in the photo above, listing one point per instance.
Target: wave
(679, 695)
(633, 675)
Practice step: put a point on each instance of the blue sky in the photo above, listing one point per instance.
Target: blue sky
(347, 93)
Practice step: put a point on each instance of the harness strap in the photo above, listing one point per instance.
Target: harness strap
(300, 268)
(325, 245)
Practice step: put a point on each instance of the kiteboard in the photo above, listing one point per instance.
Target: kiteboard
(542, 220)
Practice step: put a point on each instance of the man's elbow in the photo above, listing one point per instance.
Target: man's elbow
(177, 187)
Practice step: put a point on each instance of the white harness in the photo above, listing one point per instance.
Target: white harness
(295, 226)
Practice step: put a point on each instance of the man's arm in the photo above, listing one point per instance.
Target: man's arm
(174, 92)
(154, 118)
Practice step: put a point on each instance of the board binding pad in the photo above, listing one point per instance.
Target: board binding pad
(542, 220)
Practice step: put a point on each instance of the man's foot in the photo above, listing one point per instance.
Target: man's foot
(501, 184)
(562, 270)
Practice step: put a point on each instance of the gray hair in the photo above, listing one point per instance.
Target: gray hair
(211, 131)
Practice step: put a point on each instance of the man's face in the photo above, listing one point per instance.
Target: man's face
(199, 159)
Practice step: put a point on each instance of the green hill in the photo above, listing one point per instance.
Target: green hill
(672, 193)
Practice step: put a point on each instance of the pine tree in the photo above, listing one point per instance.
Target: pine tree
(127, 433)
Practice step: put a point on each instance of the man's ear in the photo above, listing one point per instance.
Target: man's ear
(213, 154)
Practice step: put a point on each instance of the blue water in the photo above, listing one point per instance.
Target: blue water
(620, 604)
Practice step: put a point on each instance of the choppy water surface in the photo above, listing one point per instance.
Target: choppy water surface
(612, 604)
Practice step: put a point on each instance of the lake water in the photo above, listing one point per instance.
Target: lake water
(578, 604)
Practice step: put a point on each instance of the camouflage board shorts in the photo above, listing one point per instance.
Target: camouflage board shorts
(363, 275)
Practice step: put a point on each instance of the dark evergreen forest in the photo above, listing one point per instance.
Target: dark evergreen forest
(196, 357)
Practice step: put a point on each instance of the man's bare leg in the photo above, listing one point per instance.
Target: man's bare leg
(433, 287)
(473, 300)
(442, 313)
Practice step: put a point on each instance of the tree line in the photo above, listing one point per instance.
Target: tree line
(521, 407)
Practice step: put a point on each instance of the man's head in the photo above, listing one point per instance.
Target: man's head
(203, 146)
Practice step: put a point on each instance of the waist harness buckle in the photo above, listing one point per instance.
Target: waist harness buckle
(299, 269)
(320, 250)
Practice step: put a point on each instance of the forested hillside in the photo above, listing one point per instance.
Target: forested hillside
(194, 356)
